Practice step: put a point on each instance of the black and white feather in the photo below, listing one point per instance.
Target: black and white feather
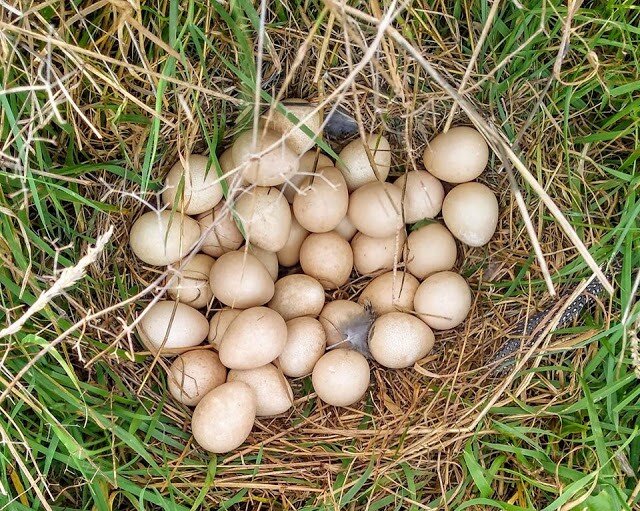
(355, 333)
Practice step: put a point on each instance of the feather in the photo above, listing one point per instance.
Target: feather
(355, 332)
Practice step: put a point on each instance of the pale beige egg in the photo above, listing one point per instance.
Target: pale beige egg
(306, 342)
(193, 186)
(341, 377)
(219, 323)
(188, 282)
(267, 258)
(172, 327)
(309, 163)
(322, 201)
(193, 374)
(231, 172)
(374, 254)
(443, 300)
(346, 229)
(265, 217)
(162, 238)
(328, 258)
(267, 162)
(289, 255)
(223, 418)
(399, 340)
(423, 195)
(273, 392)
(430, 249)
(355, 165)
(390, 292)
(240, 280)
(297, 295)
(471, 213)
(306, 115)
(335, 315)
(219, 231)
(255, 338)
(457, 156)
(375, 209)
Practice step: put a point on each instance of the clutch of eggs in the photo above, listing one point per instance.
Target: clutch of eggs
(257, 241)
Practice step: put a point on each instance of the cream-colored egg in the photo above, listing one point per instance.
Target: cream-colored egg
(399, 340)
(273, 392)
(375, 254)
(457, 156)
(423, 195)
(189, 282)
(306, 342)
(218, 325)
(219, 231)
(354, 163)
(471, 213)
(255, 338)
(231, 172)
(322, 202)
(306, 116)
(268, 259)
(172, 327)
(240, 280)
(162, 238)
(201, 187)
(346, 229)
(223, 418)
(390, 292)
(270, 162)
(341, 377)
(297, 295)
(336, 315)
(265, 217)
(375, 209)
(430, 249)
(309, 163)
(289, 255)
(443, 300)
(328, 258)
(193, 374)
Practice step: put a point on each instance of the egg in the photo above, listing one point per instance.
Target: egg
(470, 211)
(265, 217)
(443, 300)
(230, 171)
(273, 392)
(430, 249)
(289, 255)
(322, 201)
(193, 374)
(189, 282)
(223, 418)
(269, 162)
(306, 116)
(374, 254)
(268, 259)
(335, 315)
(328, 258)
(423, 195)
(297, 295)
(162, 238)
(354, 163)
(306, 342)
(375, 209)
(197, 183)
(255, 338)
(309, 163)
(390, 291)
(399, 340)
(240, 280)
(172, 326)
(346, 229)
(341, 377)
(457, 156)
(219, 231)
(218, 325)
